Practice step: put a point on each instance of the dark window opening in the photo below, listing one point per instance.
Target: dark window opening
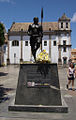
(45, 43)
(61, 24)
(26, 43)
(54, 43)
(49, 29)
(67, 25)
(64, 49)
(15, 43)
(64, 42)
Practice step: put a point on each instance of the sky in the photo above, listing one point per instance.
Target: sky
(26, 10)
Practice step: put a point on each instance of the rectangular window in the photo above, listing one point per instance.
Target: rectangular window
(26, 43)
(64, 42)
(54, 43)
(64, 49)
(61, 24)
(45, 43)
(67, 25)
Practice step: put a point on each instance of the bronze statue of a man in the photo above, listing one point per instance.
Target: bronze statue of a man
(36, 33)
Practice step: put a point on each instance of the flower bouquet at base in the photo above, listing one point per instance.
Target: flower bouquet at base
(43, 57)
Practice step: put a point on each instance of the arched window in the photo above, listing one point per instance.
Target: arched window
(61, 24)
(15, 43)
(66, 24)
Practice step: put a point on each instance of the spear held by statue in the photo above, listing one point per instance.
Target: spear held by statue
(41, 25)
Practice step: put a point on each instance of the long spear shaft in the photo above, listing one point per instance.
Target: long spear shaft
(41, 25)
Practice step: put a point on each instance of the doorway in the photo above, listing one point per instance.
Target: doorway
(14, 58)
(64, 60)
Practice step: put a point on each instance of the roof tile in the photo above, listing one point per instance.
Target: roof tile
(46, 26)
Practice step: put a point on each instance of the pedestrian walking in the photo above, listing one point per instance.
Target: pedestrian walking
(71, 75)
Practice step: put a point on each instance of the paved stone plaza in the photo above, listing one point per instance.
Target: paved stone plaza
(8, 84)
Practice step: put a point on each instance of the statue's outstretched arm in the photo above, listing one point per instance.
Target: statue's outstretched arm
(29, 30)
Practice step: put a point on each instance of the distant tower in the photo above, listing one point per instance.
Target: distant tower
(64, 39)
(64, 23)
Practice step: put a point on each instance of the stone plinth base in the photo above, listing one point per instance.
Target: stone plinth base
(39, 108)
(38, 89)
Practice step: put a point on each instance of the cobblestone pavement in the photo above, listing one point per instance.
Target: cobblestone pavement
(8, 84)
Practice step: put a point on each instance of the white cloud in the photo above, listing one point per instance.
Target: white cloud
(74, 17)
(8, 1)
(5, 1)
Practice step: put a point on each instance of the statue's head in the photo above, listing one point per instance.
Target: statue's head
(36, 20)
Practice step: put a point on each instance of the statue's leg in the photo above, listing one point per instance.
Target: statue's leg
(34, 54)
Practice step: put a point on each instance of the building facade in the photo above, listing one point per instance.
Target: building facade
(56, 41)
(73, 55)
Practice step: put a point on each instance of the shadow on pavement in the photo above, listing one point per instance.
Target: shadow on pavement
(3, 74)
(4, 93)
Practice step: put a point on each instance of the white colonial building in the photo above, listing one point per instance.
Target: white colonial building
(56, 40)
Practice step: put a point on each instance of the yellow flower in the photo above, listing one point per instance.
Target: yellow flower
(43, 57)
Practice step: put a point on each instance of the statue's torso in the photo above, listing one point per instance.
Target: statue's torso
(35, 30)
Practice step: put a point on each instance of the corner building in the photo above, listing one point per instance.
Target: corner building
(56, 40)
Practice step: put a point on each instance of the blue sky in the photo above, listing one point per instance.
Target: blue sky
(25, 10)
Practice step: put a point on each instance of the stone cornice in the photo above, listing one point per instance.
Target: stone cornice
(52, 32)
(65, 45)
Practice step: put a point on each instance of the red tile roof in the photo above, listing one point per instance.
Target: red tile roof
(46, 26)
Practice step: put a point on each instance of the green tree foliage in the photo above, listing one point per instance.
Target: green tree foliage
(2, 38)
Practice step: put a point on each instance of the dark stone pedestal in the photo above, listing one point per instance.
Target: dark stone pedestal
(38, 89)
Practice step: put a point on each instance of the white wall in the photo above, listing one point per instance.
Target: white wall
(26, 49)
(54, 49)
(45, 38)
(67, 38)
(14, 50)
